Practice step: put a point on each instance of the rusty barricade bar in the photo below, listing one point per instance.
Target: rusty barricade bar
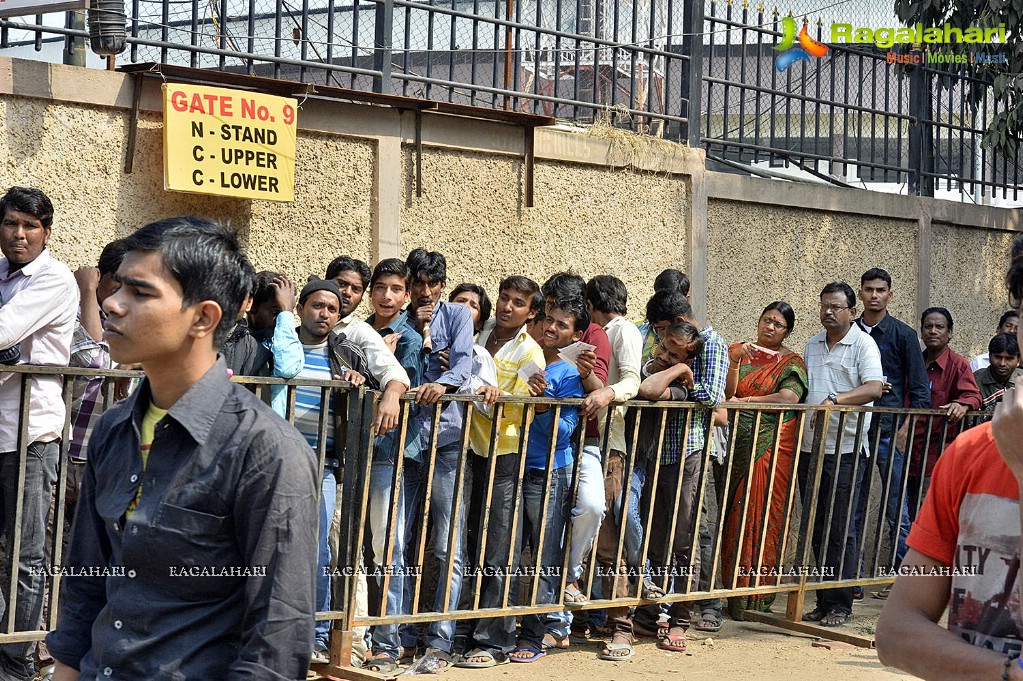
(760, 554)
(351, 400)
(26, 375)
(758, 549)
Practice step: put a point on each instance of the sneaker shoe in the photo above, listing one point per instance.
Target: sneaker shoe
(11, 355)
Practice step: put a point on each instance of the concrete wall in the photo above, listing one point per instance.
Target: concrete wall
(331, 214)
(760, 253)
(75, 154)
(602, 204)
(781, 240)
(78, 159)
(972, 265)
(591, 219)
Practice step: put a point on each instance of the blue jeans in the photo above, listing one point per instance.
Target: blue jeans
(40, 476)
(328, 497)
(915, 493)
(893, 512)
(552, 553)
(587, 514)
(442, 498)
(381, 502)
(633, 518)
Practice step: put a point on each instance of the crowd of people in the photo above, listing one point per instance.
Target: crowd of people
(231, 486)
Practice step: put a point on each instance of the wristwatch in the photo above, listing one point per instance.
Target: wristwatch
(833, 397)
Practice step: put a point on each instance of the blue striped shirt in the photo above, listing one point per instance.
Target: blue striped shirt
(307, 398)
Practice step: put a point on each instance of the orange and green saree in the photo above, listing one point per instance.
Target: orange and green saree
(752, 458)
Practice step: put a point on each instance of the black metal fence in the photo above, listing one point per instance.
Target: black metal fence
(849, 118)
(567, 58)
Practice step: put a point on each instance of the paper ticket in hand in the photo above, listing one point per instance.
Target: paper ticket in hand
(529, 369)
(570, 353)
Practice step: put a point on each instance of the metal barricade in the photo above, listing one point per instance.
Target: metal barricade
(785, 521)
(776, 547)
(350, 401)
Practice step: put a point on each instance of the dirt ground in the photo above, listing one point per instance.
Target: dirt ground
(741, 650)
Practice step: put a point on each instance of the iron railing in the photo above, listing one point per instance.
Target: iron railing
(762, 538)
(851, 117)
(575, 59)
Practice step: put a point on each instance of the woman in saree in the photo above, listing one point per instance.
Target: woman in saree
(768, 373)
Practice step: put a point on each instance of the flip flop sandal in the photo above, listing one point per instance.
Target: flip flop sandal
(574, 598)
(708, 622)
(580, 636)
(882, 594)
(815, 615)
(836, 618)
(381, 664)
(608, 652)
(489, 659)
(434, 661)
(407, 655)
(674, 642)
(534, 653)
(552, 642)
(651, 592)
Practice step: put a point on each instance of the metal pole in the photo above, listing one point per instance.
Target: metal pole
(927, 134)
(921, 142)
(382, 43)
(692, 73)
(509, 10)
(74, 55)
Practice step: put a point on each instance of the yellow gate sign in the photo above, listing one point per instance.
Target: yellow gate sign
(228, 142)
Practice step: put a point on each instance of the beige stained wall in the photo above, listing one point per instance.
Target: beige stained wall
(967, 276)
(76, 155)
(332, 212)
(594, 220)
(759, 253)
(594, 215)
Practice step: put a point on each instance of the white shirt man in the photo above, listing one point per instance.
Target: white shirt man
(843, 365)
(38, 315)
(41, 299)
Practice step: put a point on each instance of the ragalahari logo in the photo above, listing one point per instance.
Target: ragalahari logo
(790, 52)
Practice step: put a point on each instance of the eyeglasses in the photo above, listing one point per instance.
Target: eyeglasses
(773, 324)
(834, 308)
